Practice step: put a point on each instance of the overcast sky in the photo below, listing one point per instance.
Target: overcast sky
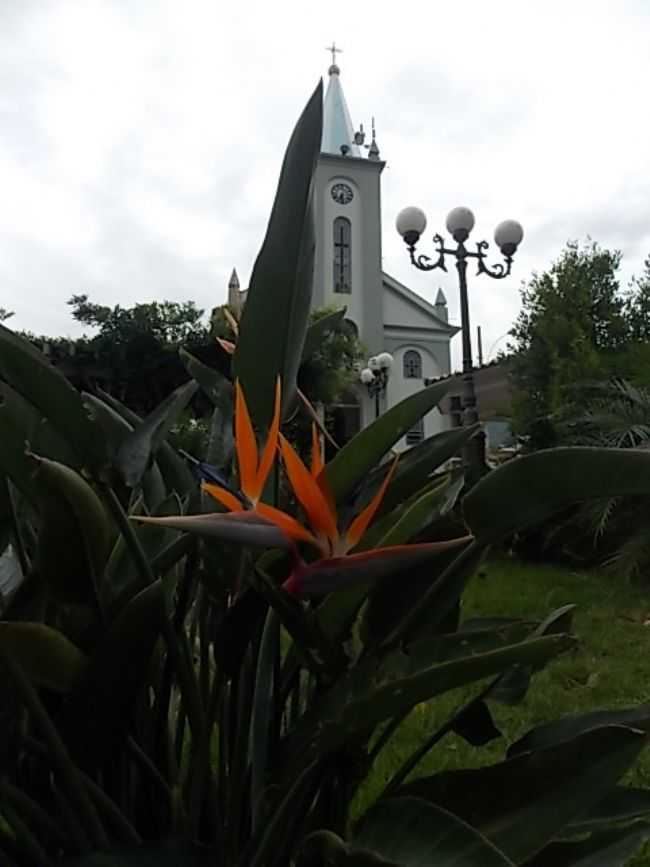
(140, 142)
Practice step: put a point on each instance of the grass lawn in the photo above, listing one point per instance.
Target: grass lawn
(610, 669)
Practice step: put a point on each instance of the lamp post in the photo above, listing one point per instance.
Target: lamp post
(411, 223)
(375, 376)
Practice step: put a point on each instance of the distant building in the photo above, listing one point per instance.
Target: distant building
(493, 397)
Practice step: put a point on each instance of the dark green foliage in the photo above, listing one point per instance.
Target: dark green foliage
(277, 306)
(571, 323)
(637, 307)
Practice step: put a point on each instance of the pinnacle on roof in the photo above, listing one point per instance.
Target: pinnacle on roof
(338, 131)
(233, 283)
(440, 298)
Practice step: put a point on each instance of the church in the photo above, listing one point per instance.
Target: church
(387, 316)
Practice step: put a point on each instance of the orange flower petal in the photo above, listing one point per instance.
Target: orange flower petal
(245, 445)
(229, 500)
(308, 492)
(268, 455)
(287, 523)
(360, 524)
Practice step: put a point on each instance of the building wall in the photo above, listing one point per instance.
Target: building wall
(364, 212)
(400, 387)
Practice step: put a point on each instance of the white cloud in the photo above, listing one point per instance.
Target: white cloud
(142, 141)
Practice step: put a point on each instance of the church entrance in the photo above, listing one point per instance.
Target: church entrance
(343, 421)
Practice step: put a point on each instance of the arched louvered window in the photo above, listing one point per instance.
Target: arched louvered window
(416, 434)
(342, 255)
(412, 365)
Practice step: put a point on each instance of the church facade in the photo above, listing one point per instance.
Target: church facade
(387, 315)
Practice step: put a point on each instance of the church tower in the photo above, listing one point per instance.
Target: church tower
(347, 214)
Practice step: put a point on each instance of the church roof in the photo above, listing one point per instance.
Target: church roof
(419, 302)
(337, 125)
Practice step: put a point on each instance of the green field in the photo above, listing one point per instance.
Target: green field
(610, 669)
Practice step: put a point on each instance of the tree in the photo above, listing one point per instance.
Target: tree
(614, 414)
(637, 305)
(571, 325)
(165, 321)
(134, 355)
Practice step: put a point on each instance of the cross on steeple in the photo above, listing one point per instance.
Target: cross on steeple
(334, 51)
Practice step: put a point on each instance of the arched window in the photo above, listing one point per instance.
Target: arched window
(342, 255)
(416, 434)
(412, 365)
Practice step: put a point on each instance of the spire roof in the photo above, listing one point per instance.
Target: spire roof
(233, 283)
(337, 125)
(440, 298)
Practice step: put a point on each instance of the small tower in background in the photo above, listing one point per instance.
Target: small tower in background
(234, 295)
(441, 306)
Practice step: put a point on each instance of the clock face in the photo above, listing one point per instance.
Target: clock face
(342, 193)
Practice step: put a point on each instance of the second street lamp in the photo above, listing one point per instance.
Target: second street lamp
(411, 223)
(375, 376)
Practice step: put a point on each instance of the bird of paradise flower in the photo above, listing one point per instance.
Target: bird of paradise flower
(335, 566)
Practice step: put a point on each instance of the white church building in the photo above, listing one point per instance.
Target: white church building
(387, 315)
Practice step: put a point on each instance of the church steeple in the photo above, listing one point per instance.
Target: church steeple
(234, 295)
(338, 132)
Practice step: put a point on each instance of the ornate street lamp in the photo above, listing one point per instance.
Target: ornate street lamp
(375, 376)
(411, 223)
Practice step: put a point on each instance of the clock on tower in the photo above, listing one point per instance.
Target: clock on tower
(342, 193)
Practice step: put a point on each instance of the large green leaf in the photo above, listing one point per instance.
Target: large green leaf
(99, 710)
(122, 572)
(422, 609)
(74, 533)
(23, 428)
(274, 321)
(46, 656)
(171, 853)
(512, 686)
(418, 463)
(174, 470)
(409, 832)
(317, 331)
(117, 429)
(619, 805)
(135, 452)
(422, 509)
(213, 382)
(523, 803)
(364, 451)
(568, 727)
(262, 745)
(11, 575)
(339, 610)
(528, 490)
(30, 373)
(377, 690)
(608, 849)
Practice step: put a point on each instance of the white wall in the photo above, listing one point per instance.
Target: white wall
(399, 387)
(398, 311)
